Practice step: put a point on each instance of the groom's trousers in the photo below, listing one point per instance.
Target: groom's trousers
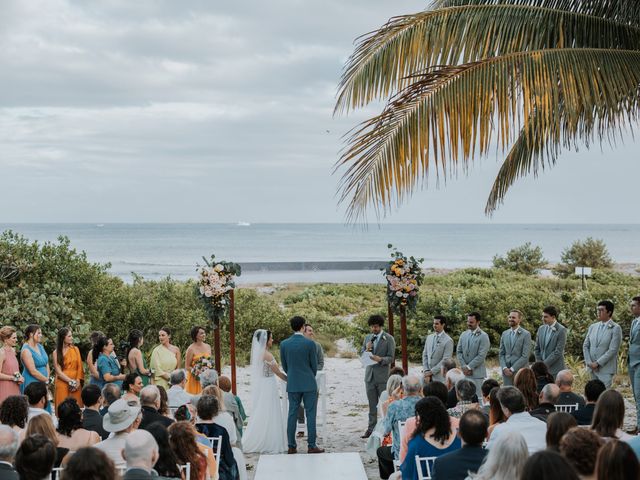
(310, 407)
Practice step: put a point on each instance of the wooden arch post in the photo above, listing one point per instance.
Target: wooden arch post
(403, 334)
(232, 339)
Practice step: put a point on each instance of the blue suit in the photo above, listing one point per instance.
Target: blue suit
(300, 362)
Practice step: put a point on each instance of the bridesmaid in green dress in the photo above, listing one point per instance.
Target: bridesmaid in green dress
(135, 359)
(165, 358)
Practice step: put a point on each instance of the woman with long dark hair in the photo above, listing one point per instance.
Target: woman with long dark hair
(543, 377)
(70, 433)
(525, 381)
(94, 376)
(433, 435)
(167, 464)
(135, 360)
(67, 363)
(182, 438)
(107, 365)
(617, 461)
(496, 415)
(608, 417)
(34, 357)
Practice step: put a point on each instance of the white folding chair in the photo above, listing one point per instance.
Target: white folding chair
(567, 408)
(216, 446)
(401, 424)
(424, 474)
(172, 411)
(121, 470)
(55, 473)
(186, 468)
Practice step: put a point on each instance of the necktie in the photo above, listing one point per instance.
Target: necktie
(547, 337)
(434, 343)
(634, 327)
(374, 339)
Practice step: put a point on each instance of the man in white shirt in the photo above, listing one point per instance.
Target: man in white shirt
(36, 393)
(122, 418)
(533, 430)
(176, 394)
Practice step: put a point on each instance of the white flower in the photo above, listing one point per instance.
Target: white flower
(398, 293)
(218, 268)
(201, 290)
(208, 293)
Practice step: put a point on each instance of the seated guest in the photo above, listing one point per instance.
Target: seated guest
(167, 463)
(505, 461)
(580, 447)
(43, 425)
(89, 463)
(141, 453)
(188, 413)
(110, 393)
(452, 377)
(465, 392)
(225, 384)
(150, 401)
(488, 385)
(558, 423)
(392, 393)
(592, 391)
(164, 402)
(546, 402)
(542, 374)
(496, 415)
(208, 377)
(399, 411)
(231, 403)
(132, 385)
(224, 418)
(457, 465)
(183, 443)
(208, 407)
(525, 381)
(533, 430)
(14, 412)
(431, 389)
(36, 393)
(70, 433)
(9, 442)
(433, 436)
(91, 418)
(564, 380)
(176, 394)
(548, 465)
(121, 419)
(35, 458)
(608, 417)
(616, 461)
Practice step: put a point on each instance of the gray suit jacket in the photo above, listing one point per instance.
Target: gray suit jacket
(551, 352)
(602, 345)
(472, 351)
(432, 355)
(515, 354)
(385, 348)
(634, 343)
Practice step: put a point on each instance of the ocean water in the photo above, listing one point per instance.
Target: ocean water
(316, 252)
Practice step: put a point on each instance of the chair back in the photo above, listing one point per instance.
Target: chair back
(172, 411)
(216, 446)
(426, 472)
(55, 473)
(186, 469)
(567, 408)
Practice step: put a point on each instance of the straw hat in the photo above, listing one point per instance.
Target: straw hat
(121, 415)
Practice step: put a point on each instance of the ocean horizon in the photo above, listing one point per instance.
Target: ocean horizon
(315, 252)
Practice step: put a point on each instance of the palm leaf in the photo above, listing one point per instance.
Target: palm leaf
(384, 61)
(445, 116)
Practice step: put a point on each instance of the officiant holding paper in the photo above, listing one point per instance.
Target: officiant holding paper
(382, 349)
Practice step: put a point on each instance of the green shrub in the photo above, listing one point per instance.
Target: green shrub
(590, 253)
(524, 259)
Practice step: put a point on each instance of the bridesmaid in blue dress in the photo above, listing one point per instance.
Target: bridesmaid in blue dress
(433, 436)
(34, 358)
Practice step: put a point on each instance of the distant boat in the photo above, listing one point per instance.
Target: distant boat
(100, 225)
(244, 224)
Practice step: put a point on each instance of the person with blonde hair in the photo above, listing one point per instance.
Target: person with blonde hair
(505, 460)
(10, 377)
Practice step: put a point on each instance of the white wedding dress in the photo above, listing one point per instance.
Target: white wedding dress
(266, 430)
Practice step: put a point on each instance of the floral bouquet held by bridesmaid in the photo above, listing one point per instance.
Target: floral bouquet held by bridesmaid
(200, 365)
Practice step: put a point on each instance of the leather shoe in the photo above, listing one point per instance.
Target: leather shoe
(367, 434)
(315, 450)
(291, 451)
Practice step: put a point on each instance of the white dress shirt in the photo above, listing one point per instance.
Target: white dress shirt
(177, 396)
(113, 447)
(533, 430)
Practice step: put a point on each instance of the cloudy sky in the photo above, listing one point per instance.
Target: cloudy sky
(207, 111)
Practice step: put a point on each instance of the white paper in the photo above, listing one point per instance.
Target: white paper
(366, 360)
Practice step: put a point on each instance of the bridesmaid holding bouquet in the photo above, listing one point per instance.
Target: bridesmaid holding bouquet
(196, 352)
(10, 377)
(67, 363)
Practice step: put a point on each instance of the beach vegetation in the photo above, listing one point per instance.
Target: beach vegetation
(588, 253)
(525, 259)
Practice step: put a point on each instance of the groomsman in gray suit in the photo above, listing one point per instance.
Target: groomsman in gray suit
(515, 346)
(383, 347)
(634, 354)
(472, 350)
(550, 341)
(601, 345)
(437, 347)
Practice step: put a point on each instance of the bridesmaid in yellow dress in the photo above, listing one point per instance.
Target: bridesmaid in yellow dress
(165, 358)
(195, 351)
(67, 363)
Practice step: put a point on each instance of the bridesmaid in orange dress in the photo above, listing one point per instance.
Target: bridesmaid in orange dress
(195, 351)
(9, 381)
(68, 366)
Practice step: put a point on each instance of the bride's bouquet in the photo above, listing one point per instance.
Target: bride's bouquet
(203, 363)
(215, 281)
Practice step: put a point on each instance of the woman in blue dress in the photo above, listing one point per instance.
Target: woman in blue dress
(34, 358)
(107, 365)
(433, 436)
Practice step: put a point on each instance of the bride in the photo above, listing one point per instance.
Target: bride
(266, 429)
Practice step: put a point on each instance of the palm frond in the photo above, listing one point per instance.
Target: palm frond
(447, 115)
(623, 11)
(384, 61)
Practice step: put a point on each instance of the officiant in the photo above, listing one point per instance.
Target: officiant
(382, 349)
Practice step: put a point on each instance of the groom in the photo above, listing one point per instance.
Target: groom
(300, 363)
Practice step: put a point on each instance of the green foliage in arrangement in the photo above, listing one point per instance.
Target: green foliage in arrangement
(525, 259)
(590, 253)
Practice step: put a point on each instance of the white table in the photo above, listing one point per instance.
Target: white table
(319, 466)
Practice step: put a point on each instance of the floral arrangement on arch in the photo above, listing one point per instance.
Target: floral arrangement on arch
(404, 277)
(215, 281)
